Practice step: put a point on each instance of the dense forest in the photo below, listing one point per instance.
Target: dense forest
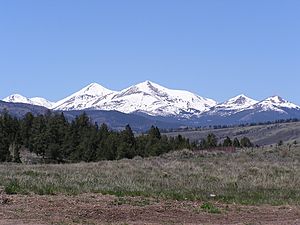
(58, 140)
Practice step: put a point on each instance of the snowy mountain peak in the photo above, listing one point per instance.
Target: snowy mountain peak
(145, 88)
(150, 84)
(276, 99)
(232, 106)
(146, 83)
(17, 98)
(42, 102)
(149, 87)
(154, 99)
(94, 89)
(241, 100)
(84, 98)
(276, 103)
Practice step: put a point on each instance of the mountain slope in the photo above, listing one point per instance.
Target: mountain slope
(118, 120)
(115, 120)
(20, 109)
(259, 134)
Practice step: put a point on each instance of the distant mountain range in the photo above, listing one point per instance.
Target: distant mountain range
(162, 106)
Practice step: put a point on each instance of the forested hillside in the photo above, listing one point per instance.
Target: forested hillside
(55, 139)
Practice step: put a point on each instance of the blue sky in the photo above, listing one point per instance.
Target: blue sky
(214, 48)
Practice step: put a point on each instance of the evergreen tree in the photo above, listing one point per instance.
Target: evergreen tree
(246, 143)
(143, 143)
(26, 126)
(4, 137)
(236, 143)
(55, 135)
(203, 144)
(107, 148)
(211, 140)
(103, 149)
(80, 136)
(126, 148)
(227, 142)
(154, 132)
(71, 142)
(37, 141)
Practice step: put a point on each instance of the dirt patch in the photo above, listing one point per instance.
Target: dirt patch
(105, 209)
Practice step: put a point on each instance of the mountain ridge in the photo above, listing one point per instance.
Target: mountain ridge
(150, 99)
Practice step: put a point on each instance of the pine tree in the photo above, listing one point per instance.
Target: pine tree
(211, 140)
(154, 132)
(227, 142)
(9, 138)
(56, 127)
(246, 143)
(127, 146)
(4, 138)
(236, 143)
(80, 131)
(26, 126)
(70, 142)
(203, 144)
(38, 138)
(107, 148)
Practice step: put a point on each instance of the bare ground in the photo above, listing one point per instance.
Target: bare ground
(106, 209)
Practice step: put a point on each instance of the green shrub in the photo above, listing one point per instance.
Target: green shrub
(210, 208)
(13, 187)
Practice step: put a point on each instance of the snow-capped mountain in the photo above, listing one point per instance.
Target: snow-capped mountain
(274, 103)
(85, 98)
(42, 102)
(153, 99)
(16, 98)
(232, 106)
(146, 97)
(242, 109)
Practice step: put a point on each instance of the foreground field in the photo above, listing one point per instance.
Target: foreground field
(106, 209)
(179, 187)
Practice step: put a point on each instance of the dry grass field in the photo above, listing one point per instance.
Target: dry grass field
(201, 184)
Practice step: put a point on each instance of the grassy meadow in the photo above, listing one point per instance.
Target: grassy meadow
(250, 176)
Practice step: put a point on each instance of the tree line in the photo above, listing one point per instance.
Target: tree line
(216, 127)
(56, 139)
(211, 141)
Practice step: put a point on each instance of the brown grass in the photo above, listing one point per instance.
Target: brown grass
(252, 176)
